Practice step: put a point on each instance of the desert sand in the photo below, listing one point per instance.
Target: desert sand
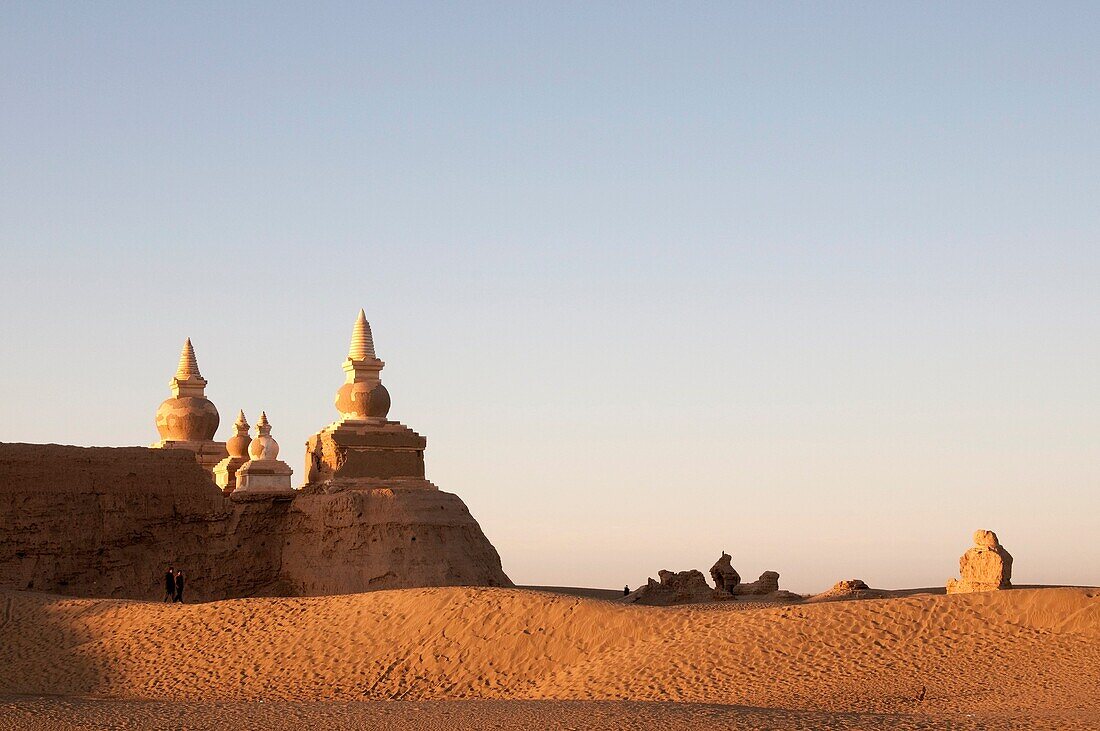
(513, 658)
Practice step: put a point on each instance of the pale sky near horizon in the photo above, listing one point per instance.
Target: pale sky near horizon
(816, 284)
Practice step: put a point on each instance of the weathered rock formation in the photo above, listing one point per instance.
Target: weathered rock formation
(848, 589)
(107, 522)
(986, 566)
(675, 587)
(768, 583)
(723, 574)
(848, 586)
(690, 586)
(359, 540)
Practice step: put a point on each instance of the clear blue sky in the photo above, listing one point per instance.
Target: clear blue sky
(815, 284)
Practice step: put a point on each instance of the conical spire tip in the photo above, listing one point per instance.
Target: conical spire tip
(188, 365)
(362, 342)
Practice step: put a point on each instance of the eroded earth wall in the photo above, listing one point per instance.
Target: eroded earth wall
(97, 521)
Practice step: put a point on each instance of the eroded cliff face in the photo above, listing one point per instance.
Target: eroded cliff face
(108, 522)
(356, 541)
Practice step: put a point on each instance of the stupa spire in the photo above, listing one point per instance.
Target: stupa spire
(188, 420)
(362, 396)
(362, 342)
(189, 365)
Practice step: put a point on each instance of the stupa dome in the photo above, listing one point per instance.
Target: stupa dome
(188, 416)
(187, 419)
(359, 400)
(264, 446)
(237, 445)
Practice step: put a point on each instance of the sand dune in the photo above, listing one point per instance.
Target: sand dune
(1024, 653)
(79, 714)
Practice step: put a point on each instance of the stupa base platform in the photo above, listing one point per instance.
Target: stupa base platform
(267, 477)
(225, 473)
(366, 452)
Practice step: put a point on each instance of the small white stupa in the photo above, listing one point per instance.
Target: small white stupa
(264, 472)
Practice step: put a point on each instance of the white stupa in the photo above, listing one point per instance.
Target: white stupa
(263, 473)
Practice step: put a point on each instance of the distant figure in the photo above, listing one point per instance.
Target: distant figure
(169, 585)
(626, 589)
(179, 587)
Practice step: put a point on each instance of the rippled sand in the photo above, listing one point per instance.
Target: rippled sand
(518, 659)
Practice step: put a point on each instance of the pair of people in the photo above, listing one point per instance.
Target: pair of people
(173, 586)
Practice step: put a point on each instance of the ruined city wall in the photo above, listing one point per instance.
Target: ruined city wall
(97, 521)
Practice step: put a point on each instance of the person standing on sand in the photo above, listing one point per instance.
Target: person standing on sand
(179, 588)
(169, 585)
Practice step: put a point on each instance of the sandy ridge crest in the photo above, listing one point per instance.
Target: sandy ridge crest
(1022, 651)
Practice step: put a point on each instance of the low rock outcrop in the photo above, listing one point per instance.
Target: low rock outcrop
(675, 587)
(107, 522)
(848, 586)
(768, 583)
(685, 587)
(848, 589)
(725, 577)
(986, 566)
